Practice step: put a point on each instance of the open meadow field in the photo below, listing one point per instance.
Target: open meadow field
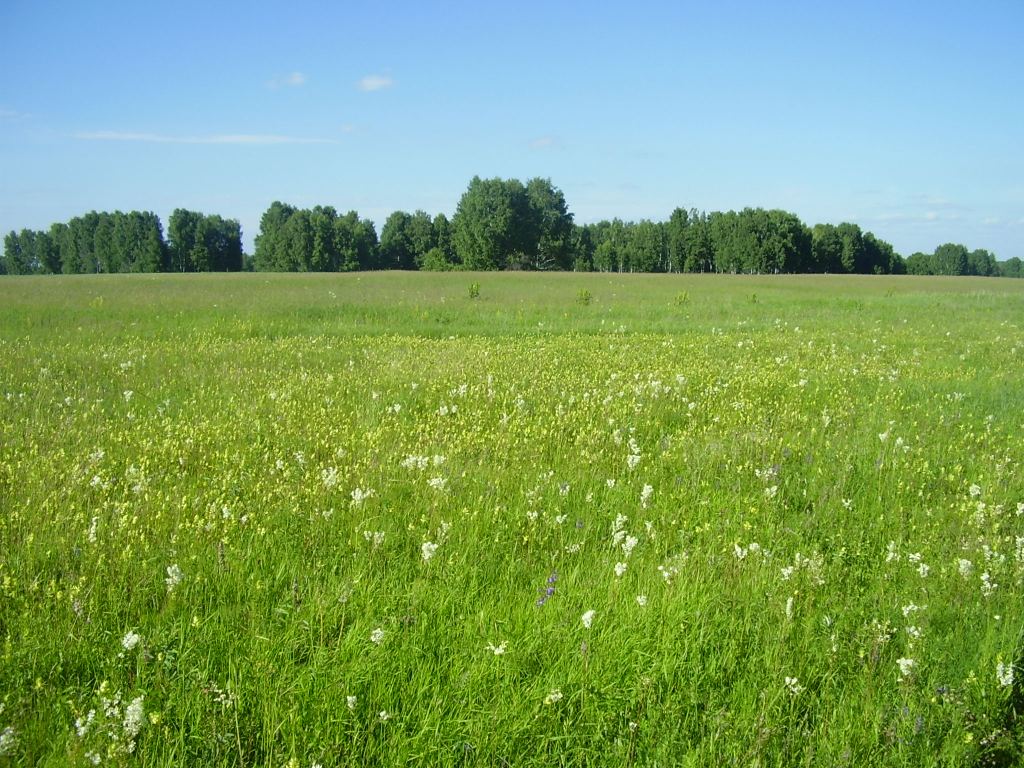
(512, 519)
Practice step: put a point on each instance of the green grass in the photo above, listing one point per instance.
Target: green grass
(865, 433)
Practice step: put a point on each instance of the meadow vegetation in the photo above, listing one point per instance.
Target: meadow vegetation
(511, 519)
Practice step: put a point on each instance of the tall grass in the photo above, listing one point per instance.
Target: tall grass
(360, 519)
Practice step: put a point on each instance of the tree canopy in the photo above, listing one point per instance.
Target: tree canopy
(498, 224)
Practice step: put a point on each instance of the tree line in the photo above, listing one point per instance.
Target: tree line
(127, 242)
(498, 224)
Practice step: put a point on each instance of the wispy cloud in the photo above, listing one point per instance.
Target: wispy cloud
(245, 139)
(10, 114)
(375, 83)
(546, 142)
(292, 80)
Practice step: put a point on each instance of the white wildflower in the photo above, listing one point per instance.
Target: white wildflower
(359, 495)
(891, 553)
(499, 649)
(988, 587)
(620, 568)
(350, 702)
(789, 608)
(1004, 674)
(632, 460)
(906, 666)
(133, 719)
(974, 490)
(82, 724)
(966, 567)
(174, 577)
(793, 684)
(641, 600)
(437, 483)
(645, 496)
(427, 550)
(8, 740)
(628, 545)
(383, 715)
(377, 636)
(587, 619)
(130, 640)
(329, 477)
(554, 696)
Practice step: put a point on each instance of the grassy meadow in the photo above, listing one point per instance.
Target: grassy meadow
(511, 520)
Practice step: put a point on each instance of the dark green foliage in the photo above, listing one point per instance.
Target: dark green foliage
(498, 224)
(317, 240)
(200, 243)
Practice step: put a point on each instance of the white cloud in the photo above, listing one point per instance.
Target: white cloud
(375, 83)
(250, 139)
(10, 114)
(545, 142)
(991, 220)
(293, 80)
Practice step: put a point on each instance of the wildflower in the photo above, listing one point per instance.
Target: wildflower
(789, 608)
(359, 495)
(906, 667)
(329, 477)
(82, 724)
(632, 460)
(437, 483)
(130, 640)
(645, 496)
(383, 715)
(620, 568)
(1004, 674)
(988, 587)
(549, 590)
(641, 600)
(974, 490)
(628, 545)
(8, 740)
(133, 719)
(427, 550)
(587, 619)
(350, 702)
(923, 569)
(965, 567)
(499, 649)
(377, 636)
(793, 684)
(553, 697)
(174, 577)
(891, 553)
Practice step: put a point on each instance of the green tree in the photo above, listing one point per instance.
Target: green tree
(396, 246)
(950, 259)
(981, 262)
(491, 223)
(547, 237)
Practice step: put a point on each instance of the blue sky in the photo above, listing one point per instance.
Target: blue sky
(905, 117)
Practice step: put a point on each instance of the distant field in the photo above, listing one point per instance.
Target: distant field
(511, 519)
